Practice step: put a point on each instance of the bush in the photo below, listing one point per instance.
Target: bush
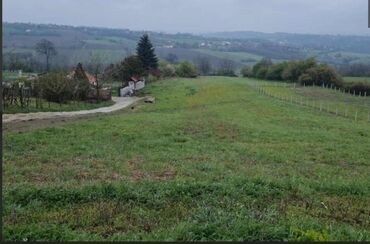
(294, 69)
(152, 78)
(358, 88)
(167, 70)
(186, 69)
(82, 83)
(261, 72)
(246, 71)
(56, 87)
(275, 72)
(130, 66)
(321, 75)
(226, 72)
(263, 64)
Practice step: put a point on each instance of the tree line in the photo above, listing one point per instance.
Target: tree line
(305, 72)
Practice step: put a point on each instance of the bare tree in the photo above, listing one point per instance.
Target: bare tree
(47, 48)
(204, 65)
(96, 67)
(172, 58)
(226, 67)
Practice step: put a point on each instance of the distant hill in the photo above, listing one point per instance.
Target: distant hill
(75, 44)
(359, 44)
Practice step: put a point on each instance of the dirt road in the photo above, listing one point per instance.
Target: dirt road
(27, 121)
(120, 103)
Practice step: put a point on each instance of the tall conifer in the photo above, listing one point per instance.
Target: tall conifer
(146, 54)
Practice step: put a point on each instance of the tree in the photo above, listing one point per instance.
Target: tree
(82, 82)
(80, 73)
(204, 65)
(263, 64)
(171, 58)
(129, 67)
(166, 69)
(47, 48)
(96, 67)
(56, 87)
(246, 71)
(321, 74)
(226, 68)
(110, 72)
(295, 69)
(275, 72)
(186, 69)
(146, 54)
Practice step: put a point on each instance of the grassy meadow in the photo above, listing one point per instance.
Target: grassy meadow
(357, 79)
(333, 101)
(212, 159)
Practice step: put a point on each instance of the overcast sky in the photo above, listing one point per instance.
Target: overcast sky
(194, 16)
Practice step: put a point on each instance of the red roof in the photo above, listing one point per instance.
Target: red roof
(89, 76)
(135, 78)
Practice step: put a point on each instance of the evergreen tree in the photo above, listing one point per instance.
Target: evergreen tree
(145, 52)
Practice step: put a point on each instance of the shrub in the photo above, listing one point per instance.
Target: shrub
(56, 87)
(261, 73)
(321, 74)
(186, 69)
(130, 66)
(358, 88)
(263, 64)
(294, 69)
(152, 78)
(82, 83)
(166, 69)
(226, 72)
(246, 71)
(275, 72)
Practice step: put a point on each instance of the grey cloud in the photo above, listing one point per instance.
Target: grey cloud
(301, 16)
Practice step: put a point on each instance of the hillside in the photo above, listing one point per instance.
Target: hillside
(212, 159)
(75, 44)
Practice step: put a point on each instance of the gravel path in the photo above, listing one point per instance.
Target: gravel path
(120, 103)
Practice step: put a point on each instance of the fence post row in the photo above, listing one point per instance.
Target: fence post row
(300, 101)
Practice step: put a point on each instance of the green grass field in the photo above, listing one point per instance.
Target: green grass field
(357, 79)
(330, 100)
(211, 160)
(242, 57)
(8, 75)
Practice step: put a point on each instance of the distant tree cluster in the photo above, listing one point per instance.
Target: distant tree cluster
(145, 63)
(307, 72)
(358, 70)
